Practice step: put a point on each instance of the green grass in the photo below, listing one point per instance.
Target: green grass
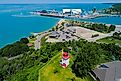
(109, 40)
(30, 74)
(43, 39)
(52, 71)
(32, 40)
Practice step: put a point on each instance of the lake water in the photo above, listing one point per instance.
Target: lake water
(12, 27)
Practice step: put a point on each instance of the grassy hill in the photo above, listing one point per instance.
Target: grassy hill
(52, 71)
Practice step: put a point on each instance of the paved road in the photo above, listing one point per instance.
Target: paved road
(37, 43)
(117, 29)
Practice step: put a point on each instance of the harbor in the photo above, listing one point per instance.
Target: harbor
(25, 23)
(72, 13)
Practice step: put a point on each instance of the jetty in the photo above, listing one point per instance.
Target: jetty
(72, 13)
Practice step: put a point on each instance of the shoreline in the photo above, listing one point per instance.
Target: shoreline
(37, 33)
(37, 42)
(31, 33)
(60, 21)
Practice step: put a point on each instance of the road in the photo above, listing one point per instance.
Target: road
(117, 29)
(37, 43)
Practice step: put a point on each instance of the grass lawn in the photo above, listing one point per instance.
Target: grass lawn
(52, 71)
(109, 40)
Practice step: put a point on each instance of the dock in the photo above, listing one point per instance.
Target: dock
(50, 15)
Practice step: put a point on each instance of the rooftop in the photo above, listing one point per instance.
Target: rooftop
(110, 71)
(65, 55)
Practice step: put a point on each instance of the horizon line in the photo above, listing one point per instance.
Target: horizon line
(69, 3)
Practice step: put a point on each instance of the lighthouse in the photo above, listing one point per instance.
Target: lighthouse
(65, 59)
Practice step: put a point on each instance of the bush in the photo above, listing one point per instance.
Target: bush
(112, 28)
(32, 36)
(24, 40)
(117, 35)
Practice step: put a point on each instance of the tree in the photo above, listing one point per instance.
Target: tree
(24, 40)
(86, 56)
(44, 11)
(117, 35)
(112, 27)
(14, 49)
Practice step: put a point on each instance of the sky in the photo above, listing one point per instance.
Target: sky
(57, 1)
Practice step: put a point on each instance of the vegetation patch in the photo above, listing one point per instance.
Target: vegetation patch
(53, 71)
(30, 74)
(115, 9)
(109, 40)
(84, 57)
(32, 40)
(116, 38)
(103, 28)
(15, 49)
(43, 39)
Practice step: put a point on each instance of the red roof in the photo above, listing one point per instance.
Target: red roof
(30, 44)
(65, 55)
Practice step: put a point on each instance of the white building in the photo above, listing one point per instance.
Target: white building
(66, 11)
(76, 11)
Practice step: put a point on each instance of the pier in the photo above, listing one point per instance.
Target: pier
(72, 13)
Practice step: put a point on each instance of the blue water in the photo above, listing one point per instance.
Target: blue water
(12, 28)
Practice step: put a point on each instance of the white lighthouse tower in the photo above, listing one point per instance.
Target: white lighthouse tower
(65, 59)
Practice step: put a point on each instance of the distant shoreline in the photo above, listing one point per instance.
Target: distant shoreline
(60, 3)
